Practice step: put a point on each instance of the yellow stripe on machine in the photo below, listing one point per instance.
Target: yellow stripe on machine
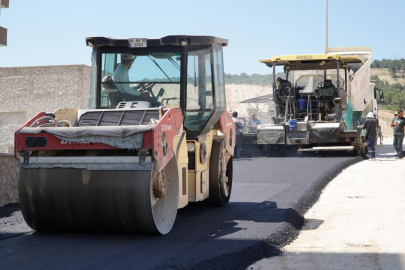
(309, 61)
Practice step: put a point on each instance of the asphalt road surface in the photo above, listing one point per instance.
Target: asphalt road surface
(269, 198)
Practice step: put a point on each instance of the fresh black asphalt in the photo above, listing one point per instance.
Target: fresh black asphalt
(269, 199)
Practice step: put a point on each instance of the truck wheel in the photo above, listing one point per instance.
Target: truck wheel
(221, 173)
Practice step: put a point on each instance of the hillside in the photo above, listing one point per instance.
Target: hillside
(393, 85)
(385, 75)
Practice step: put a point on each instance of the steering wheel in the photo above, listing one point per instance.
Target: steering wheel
(146, 87)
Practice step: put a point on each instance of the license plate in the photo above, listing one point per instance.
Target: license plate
(137, 42)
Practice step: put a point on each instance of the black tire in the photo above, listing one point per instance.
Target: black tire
(218, 154)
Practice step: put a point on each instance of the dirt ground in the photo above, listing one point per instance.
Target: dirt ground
(385, 75)
(235, 93)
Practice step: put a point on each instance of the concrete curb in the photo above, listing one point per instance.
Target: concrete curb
(8, 179)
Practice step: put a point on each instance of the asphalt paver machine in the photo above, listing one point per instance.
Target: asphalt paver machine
(319, 103)
(136, 156)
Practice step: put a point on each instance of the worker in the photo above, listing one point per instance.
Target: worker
(398, 124)
(371, 126)
(121, 75)
(253, 123)
(281, 81)
(395, 115)
(283, 86)
(238, 127)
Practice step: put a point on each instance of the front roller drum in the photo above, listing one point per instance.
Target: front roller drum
(117, 201)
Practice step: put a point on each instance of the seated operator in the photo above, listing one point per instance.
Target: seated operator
(282, 85)
(253, 123)
(121, 75)
(328, 83)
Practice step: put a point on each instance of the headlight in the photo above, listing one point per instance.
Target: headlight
(190, 147)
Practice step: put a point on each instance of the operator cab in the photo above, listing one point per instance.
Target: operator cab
(149, 76)
(175, 71)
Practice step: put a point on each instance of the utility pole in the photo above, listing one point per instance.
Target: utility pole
(326, 46)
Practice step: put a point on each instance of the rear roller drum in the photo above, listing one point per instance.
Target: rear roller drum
(82, 200)
(221, 173)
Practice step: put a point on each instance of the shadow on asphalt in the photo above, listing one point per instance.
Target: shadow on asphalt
(264, 212)
(267, 212)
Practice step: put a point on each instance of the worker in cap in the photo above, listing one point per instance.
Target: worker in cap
(121, 75)
(398, 125)
(253, 122)
(371, 127)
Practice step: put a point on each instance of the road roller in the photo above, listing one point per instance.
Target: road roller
(156, 136)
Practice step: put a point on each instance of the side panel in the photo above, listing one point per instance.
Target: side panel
(359, 86)
(180, 146)
(324, 133)
(198, 177)
(169, 125)
(271, 135)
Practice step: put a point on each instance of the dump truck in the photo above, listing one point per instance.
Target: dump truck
(156, 136)
(321, 102)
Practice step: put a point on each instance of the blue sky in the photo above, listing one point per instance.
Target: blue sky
(52, 32)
